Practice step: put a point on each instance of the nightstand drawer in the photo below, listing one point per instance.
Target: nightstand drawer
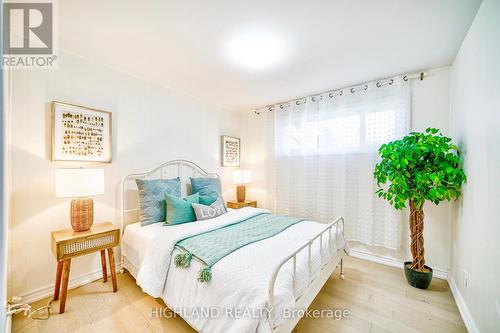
(81, 243)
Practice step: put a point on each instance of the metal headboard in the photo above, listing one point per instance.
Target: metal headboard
(183, 169)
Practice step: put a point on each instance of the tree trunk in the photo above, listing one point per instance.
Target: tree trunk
(417, 236)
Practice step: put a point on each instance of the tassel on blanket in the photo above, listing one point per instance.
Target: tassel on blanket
(183, 260)
(205, 274)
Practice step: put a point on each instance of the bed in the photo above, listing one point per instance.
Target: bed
(257, 288)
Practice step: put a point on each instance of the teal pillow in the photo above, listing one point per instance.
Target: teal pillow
(152, 197)
(209, 199)
(206, 185)
(179, 210)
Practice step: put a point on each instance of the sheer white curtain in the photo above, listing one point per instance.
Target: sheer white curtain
(324, 152)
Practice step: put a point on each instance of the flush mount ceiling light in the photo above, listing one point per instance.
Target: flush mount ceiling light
(255, 51)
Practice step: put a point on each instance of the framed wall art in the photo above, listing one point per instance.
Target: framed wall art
(230, 151)
(80, 134)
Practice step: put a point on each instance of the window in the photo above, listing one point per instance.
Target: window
(324, 153)
(380, 127)
(356, 133)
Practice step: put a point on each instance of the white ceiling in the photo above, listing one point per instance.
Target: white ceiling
(184, 44)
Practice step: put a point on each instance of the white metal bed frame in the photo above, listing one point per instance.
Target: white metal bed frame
(185, 169)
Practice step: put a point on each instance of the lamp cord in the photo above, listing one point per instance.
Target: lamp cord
(28, 310)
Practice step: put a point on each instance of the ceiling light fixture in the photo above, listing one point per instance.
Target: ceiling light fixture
(255, 51)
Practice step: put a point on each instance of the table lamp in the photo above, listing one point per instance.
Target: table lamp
(241, 177)
(80, 184)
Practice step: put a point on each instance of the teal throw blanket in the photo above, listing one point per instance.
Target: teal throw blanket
(211, 246)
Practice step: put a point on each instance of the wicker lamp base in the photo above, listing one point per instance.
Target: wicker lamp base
(240, 193)
(82, 214)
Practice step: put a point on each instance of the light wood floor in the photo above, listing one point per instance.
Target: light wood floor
(377, 296)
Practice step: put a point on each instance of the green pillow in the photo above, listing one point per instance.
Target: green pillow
(209, 199)
(179, 210)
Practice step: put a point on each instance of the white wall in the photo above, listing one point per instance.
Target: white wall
(4, 221)
(475, 124)
(255, 140)
(430, 107)
(150, 125)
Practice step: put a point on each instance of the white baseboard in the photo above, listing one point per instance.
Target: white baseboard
(389, 261)
(77, 281)
(462, 307)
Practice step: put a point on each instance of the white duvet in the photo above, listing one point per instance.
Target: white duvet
(237, 295)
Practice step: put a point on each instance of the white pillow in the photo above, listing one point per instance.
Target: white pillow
(204, 212)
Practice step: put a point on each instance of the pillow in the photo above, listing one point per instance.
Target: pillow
(152, 198)
(179, 210)
(204, 212)
(206, 185)
(209, 199)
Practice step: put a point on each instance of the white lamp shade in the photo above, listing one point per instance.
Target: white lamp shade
(79, 182)
(242, 176)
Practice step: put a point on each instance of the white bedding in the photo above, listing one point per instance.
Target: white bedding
(239, 281)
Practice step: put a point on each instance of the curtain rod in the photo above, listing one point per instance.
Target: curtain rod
(339, 91)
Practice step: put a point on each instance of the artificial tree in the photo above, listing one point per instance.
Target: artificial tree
(419, 167)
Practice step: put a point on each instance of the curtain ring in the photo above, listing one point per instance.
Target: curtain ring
(312, 99)
(391, 81)
(297, 102)
(378, 85)
(330, 95)
(281, 106)
(352, 90)
(366, 87)
(341, 92)
(405, 78)
(270, 108)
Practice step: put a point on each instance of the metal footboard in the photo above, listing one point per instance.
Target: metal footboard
(293, 257)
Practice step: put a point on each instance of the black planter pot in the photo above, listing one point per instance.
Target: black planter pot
(418, 279)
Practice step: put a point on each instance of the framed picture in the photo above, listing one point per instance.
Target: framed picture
(80, 134)
(230, 151)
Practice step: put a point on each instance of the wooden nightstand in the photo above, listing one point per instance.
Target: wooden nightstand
(237, 205)
(68, 244)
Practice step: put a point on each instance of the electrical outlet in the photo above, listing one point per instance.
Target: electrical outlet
(465, 278)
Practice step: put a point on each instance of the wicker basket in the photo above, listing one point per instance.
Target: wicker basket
(82, 214)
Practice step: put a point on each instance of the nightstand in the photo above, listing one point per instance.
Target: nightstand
(237, 205)
(68, 244)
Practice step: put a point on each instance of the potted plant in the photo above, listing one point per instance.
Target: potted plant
(420, 167)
